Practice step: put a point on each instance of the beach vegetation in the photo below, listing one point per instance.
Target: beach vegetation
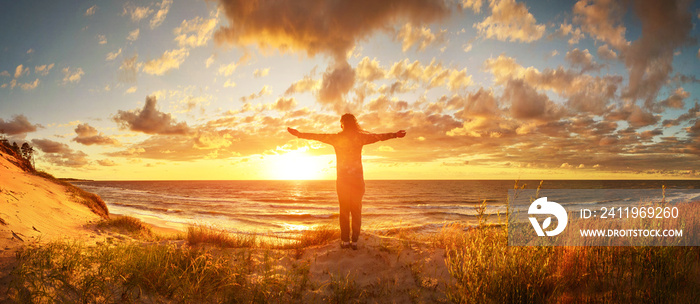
(202, 234)
(135, 273)
(469, 263)
(487, 270)
(126, 224)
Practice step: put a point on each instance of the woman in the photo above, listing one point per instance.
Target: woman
(350, 182)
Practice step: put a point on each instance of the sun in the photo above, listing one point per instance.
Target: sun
(296, 165)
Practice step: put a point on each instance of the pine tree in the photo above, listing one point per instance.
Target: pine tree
(27, 152)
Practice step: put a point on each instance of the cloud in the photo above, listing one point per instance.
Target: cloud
(369, 70)
(481, 103)
(195, 32)
(5, 73)
(582, 59)
(666, 25)
(30, 85)
(634, 115)
(18, 125)
(227, 70)
(511, 21)
(318, 27)
(43, 70)
(21, 70)
(264, 91)
(602, 19)
(150, 121)
(431, 75)
(209, 61)
(305, 85)
(692, 113)
(106, 162)
(335, 83)
(423, 37)
(584, 92)
(131, 90)
(136, 13)
(60, 154)
(50, 146)
(284, 104)
(261, 72)
(133, 35)
(331, 28)
(168, 61)
(229, 84)
(467, 47)
(72, 75)
(676, 99)
(91, 11)
(129, 69)
(527, 103)
(162, 12)
(474, 5)
(649, 134)
(605, 52)
(101, 39)
(113, 55)
(566, 29)
(88, 135)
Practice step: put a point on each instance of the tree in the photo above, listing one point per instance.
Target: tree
(3, 138)
(27, 152)
(15, 148)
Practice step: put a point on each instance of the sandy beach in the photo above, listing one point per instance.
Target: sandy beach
(37, 211)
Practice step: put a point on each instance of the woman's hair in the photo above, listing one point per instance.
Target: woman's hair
(349, 123)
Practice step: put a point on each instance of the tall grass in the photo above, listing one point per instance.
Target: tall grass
(126, 224)
(487, 270)
(200, 234)
(131, 272)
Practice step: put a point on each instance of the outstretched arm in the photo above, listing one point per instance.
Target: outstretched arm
(325, 138)
(373, 138)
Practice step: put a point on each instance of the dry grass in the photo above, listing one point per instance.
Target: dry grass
(136, 273)
(200, 234)
(126, 224)
(487, 270)
(320, 235)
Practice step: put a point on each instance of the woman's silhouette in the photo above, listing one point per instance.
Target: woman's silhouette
(350, 182)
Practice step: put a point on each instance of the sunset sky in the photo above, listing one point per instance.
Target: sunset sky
(485, 89)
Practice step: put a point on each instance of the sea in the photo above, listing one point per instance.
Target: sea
(282, 207)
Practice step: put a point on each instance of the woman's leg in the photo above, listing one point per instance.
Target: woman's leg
(344, 217)
(356, 211)
(350, 198)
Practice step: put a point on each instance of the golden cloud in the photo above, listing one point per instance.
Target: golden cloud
(169, 60)
(511, 21)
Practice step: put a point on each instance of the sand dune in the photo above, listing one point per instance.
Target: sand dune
(36, 209)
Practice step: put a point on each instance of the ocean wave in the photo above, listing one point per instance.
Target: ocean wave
(305, 206)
